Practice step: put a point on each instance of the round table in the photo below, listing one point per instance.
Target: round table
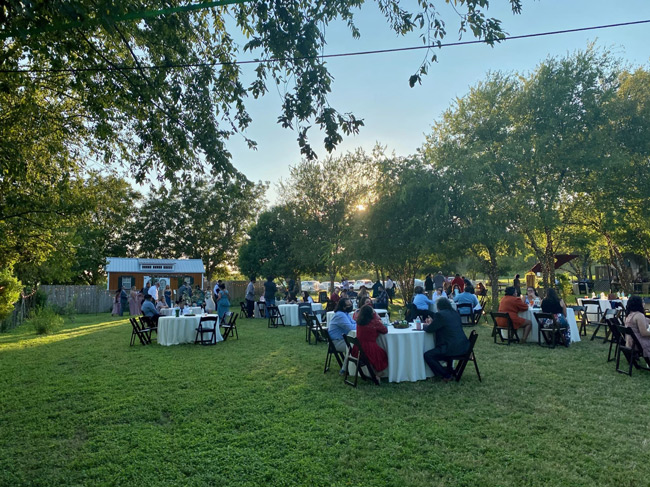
(405, 349)
(174, 330)
(534, 336)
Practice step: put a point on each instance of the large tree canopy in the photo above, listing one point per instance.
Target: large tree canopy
(163, 90)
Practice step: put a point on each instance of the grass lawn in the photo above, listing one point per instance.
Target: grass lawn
(81, 407)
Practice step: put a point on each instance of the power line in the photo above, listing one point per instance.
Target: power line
(323, 56)
(91, 22)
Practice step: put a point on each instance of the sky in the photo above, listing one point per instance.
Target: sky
(375, 87)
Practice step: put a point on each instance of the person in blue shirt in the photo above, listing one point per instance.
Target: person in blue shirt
(467, 296)
(341, 324)
(422, 303)
(148, 308)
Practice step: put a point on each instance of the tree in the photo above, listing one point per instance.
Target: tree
(329, 194)
(469, 149)
(97, 56)
(199, 219)
(407, 221)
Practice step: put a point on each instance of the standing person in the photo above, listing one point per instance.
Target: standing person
(116, 303)
(145, 289)
(270, 288)
(382, 299)
(516, 283)
(168, 296)
(215, 291)
(390, 289)
(375, 288)
(133, 302)
(512, 305)
(153, 292)
(428, 285)
(345, 284)
(458, 281)
(450, 338)
(124, 301)
(223, 305)
(250, 298)
(439, 281)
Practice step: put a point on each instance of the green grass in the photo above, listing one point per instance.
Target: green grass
(81, 407)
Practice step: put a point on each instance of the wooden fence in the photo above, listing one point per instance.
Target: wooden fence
(84, 299)
(19, 314)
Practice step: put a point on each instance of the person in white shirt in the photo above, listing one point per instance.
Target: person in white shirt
(438, 293)
(153, 292)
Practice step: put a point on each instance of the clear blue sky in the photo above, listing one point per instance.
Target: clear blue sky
(375, 87)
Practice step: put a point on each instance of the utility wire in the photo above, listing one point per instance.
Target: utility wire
(323, 56)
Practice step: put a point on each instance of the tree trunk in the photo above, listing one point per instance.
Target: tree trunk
(618, 261)
(494, 278)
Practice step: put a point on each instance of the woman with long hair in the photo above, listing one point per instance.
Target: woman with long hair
(638, 323)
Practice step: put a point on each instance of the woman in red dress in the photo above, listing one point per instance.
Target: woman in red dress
(369, 327)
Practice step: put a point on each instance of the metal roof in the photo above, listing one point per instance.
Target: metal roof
(179, 266)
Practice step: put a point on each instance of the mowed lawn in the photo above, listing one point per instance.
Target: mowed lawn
(81, 407)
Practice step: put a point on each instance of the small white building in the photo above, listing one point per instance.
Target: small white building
(125, 272)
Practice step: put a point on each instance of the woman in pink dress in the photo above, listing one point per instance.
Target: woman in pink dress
(133, 302)
(638, 323)
(116, 304)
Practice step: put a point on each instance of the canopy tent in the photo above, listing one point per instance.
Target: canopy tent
(560, 260)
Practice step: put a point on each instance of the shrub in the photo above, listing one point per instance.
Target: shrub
(45, 320)
(9, 292)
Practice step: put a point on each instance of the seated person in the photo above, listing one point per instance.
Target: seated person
(531, 296)
(369, 327)
(341, 324)
(362, 302)
(467, 296)
(638, 323)
(438, 293)
(335, 297)
(306, 298)
(363, 292)
(421, 302)
(455, 290)
(450, 338)
(382, 298)
(149, 309)
(512, 305)
(344, 294)
(553, 304)
(161, 304)
(352, 294)
(481, 290)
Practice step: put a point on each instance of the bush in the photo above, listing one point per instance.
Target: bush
(9, 292)
(564, 288)
(45, 320)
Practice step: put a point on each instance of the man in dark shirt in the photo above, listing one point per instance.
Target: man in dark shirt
(270, 288)
(450, 338)
(439, 280)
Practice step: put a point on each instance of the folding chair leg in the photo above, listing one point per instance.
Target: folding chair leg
(476, 367)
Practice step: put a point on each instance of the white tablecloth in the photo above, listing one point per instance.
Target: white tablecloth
(174, 331)
(405, 349)
(192, 310)
(290, 314)
(534, 337)
(592, 312)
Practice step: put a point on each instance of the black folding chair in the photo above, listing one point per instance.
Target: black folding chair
(331, 352)
(143, 334)
(208, 325)
(632, 354)
(312, 328)
(617, 340)
(303, 308)
(275, 317)
(322, 297)
(461, 360)
(482, 301)
(581, 317)
(549, 331)
(359, 362)
(594, 315)
(149, 322)
(497, 330)
(243, 309)
(466, 312)
(229, 326)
